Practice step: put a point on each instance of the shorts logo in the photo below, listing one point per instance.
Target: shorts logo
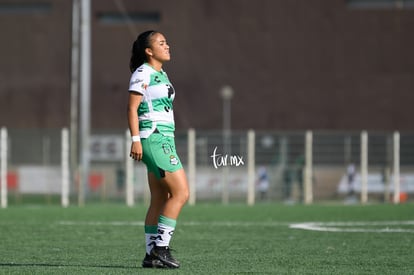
(173, 160)
(167, 148)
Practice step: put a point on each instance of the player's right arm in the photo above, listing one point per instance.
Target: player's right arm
(137, 87)
(133, 122)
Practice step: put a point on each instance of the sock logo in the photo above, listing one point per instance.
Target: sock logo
(155, 238)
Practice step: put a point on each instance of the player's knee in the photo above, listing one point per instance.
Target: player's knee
(186, 195)
(182, 196)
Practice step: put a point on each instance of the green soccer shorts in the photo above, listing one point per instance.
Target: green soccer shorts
(159, 155)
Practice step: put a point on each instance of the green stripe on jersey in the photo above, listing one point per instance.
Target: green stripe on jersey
(166, 128)
(159, 78)
(163, 104)
(143, 108)
(145, 124)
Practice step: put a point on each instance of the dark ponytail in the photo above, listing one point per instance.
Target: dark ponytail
(138, 56)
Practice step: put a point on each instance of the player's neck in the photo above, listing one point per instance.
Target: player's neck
(155, 64)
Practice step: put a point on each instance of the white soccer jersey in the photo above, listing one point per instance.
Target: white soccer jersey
(156, 108)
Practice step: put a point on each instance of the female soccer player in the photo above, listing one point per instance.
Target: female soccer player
(151, 123)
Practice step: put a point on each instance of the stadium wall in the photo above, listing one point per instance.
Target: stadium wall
(301, 64)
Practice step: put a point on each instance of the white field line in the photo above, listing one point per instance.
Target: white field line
(361, 226)
(187, 223)
(373, 227)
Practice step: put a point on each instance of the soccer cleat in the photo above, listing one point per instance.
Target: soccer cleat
(152, 262)
(163, 254)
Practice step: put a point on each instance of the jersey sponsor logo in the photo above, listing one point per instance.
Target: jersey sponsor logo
(136, 81)
(170, 90)
(170, 93)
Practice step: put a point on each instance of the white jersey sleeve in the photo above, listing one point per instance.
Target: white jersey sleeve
(139, 81)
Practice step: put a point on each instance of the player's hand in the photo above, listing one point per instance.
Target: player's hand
(136, 150)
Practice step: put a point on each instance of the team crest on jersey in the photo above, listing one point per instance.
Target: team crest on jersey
(173, 160)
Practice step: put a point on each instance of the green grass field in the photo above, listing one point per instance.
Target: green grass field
(211, 239)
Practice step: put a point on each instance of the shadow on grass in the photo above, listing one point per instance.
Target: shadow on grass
(66, 265)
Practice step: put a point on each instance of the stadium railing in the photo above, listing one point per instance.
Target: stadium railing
(249, 167)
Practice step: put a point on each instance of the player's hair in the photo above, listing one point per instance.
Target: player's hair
(138, 56)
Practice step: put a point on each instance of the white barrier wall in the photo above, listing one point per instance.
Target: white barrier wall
(205, 161)
(3, 167)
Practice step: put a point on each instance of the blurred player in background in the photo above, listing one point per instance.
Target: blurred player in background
(263, 182)
(151, 123)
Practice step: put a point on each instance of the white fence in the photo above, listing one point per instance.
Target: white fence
(259, 165)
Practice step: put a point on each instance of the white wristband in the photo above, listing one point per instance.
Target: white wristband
(136, 138)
